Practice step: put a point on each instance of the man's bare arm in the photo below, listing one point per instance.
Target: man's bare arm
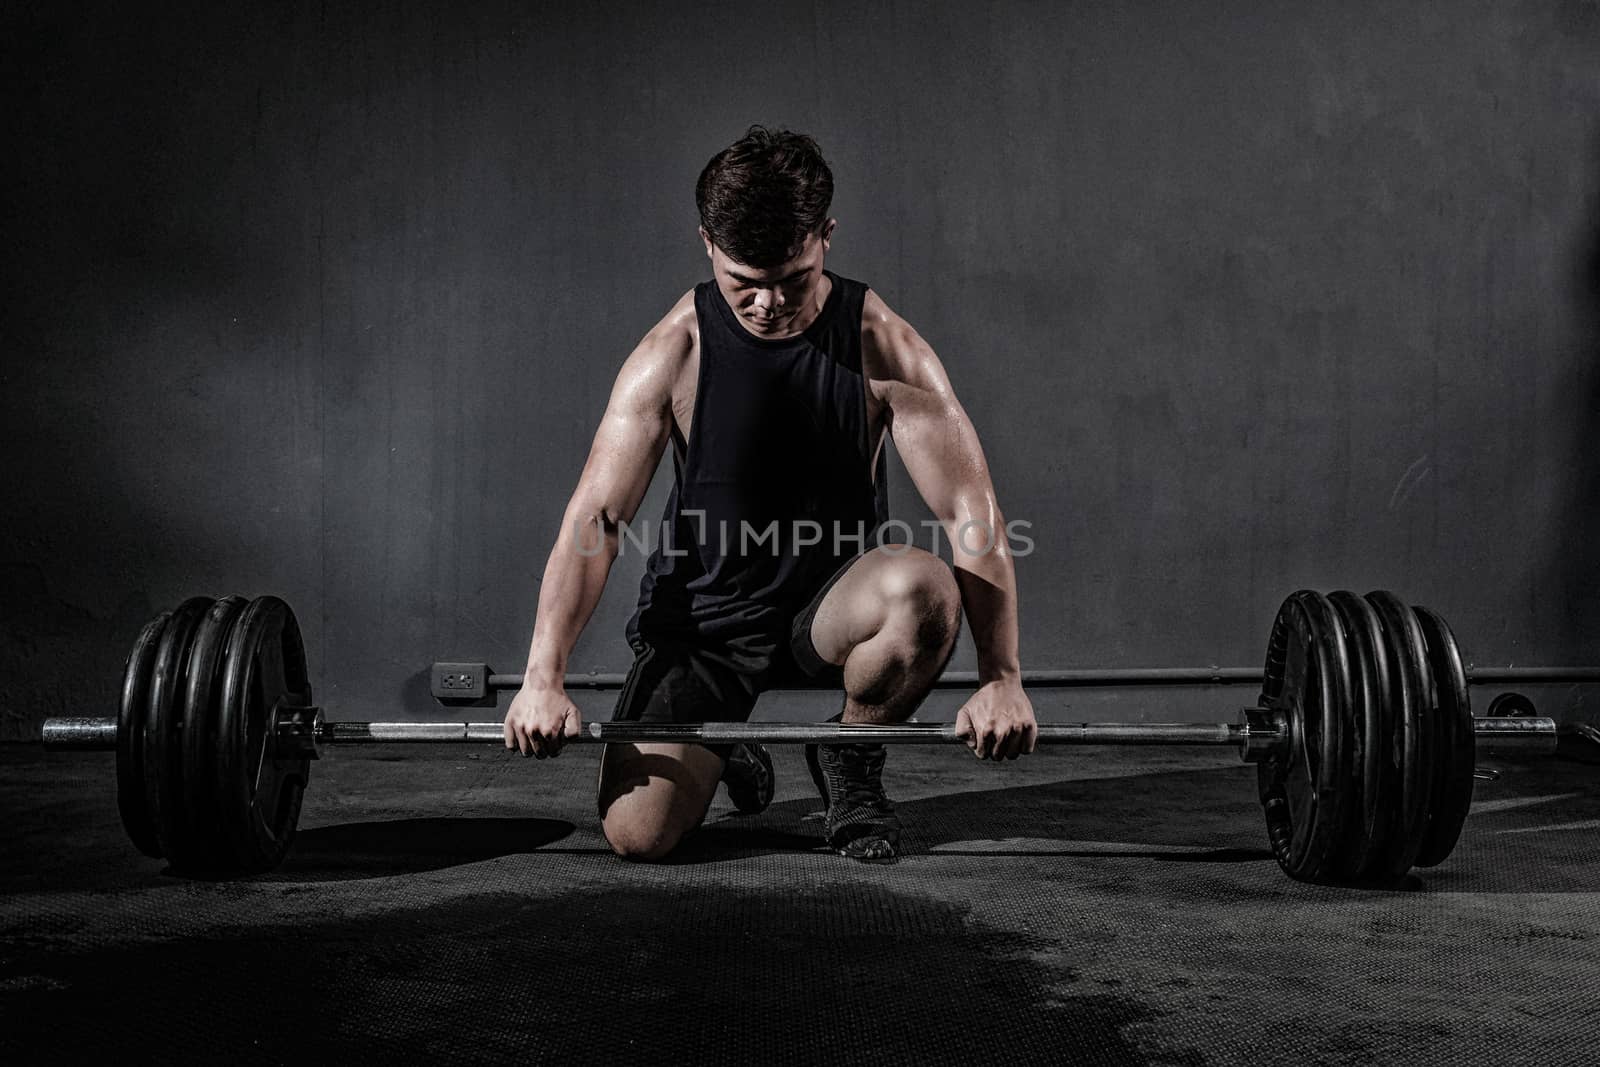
(622, 459)
(940, 448)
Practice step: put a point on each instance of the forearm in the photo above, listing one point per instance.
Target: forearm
(988, 583)
(574, 578)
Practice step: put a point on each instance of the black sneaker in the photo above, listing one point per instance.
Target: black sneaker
(860, 822)
(748, 773)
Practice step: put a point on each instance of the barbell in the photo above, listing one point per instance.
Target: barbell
(1363, 736)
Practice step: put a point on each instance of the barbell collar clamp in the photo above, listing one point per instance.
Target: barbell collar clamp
(296, 730)
(1262, 733)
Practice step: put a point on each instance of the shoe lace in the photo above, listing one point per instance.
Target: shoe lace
(861, 775)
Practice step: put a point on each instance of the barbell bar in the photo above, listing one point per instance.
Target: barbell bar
(301, 731)
(1363, 737)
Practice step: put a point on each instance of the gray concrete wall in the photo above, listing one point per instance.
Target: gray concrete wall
(325, 300)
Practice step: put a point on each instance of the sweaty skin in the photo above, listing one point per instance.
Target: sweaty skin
(909, 396)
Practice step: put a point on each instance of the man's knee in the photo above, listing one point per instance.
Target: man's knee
(641, 839)
(923, 601)
(651, 796)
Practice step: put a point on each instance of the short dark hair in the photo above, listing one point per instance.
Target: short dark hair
(760, 197)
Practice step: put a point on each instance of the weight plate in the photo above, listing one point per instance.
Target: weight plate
(136, 817)
(1371, 776)
(163, 727)
(1302, 791)
(210, 847)
(1455, 746)
(259, 794)
(1411, 697)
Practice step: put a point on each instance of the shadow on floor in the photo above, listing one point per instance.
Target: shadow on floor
(409, 846)
(856, 974)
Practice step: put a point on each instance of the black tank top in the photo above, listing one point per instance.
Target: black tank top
(778, 437)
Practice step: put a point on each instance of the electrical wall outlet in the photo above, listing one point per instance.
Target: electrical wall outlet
(455, 682)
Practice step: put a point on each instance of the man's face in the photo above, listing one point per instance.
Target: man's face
(774, 301)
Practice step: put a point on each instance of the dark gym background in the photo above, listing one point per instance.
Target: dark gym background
(325, 300)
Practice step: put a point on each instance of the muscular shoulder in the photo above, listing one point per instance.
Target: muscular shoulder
(658, 363)
(893, 353)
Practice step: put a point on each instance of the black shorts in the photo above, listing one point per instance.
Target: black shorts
(684, 683)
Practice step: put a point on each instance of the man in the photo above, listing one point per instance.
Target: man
(775, 384)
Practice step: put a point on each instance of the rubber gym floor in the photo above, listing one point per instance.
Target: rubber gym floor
(1096, 906)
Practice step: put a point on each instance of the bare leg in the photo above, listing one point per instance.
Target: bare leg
(891, 621)
(652, 795)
